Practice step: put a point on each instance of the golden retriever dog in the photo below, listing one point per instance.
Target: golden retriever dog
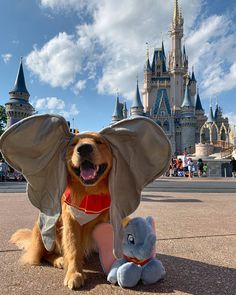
(89, 161)
(80, 181)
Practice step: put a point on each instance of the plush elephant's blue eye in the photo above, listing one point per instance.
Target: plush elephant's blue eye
(130, 239)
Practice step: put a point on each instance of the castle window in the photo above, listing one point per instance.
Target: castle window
(162, 113)
(166, 126)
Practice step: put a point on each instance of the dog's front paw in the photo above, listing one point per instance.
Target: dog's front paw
(74, 280)
(59, 262)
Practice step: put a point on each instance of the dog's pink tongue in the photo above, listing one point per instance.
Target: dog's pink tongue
(88, 173)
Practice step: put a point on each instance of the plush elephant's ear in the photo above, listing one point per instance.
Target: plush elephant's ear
(36, 147)
(141, 153)
(150, 221)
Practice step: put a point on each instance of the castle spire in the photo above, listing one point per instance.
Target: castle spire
(193, 75)
(163, 49)
(176, 13)
(116, 113)
(216, 109)
(148, 67)
(137, 106)
(177, 18)
(187, 102)
(19, 89)
(198, 106)
(137, 100)
(210, 116)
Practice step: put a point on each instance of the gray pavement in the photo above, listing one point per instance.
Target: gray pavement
(196, 228)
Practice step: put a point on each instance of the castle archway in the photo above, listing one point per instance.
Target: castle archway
(214, 133)
(205, 134)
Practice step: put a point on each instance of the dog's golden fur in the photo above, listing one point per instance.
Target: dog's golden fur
(73, 241)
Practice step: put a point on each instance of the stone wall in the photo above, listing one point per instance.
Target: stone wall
(203, 150)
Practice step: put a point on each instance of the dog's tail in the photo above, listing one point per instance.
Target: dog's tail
(22, 238)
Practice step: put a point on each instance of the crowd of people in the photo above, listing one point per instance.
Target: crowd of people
(7, 173)
(184, 166)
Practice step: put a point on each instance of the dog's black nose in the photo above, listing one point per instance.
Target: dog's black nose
(84, 149)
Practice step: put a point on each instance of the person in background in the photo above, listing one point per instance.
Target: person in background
(205, 169)
(179, 167)
(190, 168)
(233, 166)
(171, 168)
(200, 167)
(185, 165)
(3, 170)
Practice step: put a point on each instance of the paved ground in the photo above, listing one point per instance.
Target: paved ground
(196, 227)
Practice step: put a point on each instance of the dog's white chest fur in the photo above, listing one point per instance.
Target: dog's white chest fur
(81, 216)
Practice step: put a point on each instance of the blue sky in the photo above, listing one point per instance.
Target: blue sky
(77, 53)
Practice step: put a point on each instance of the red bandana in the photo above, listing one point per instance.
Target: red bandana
(90, 204)
(136, 261)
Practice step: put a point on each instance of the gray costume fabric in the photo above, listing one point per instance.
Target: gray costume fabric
(36, 147)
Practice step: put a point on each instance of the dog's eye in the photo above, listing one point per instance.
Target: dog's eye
(130, 239)
(98, 142)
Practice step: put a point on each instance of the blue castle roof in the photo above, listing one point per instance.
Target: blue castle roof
(198, 105)
(19, 85)
(211, 118)
(187, 102)
(159, 54)
(161, 94)
(137, 99)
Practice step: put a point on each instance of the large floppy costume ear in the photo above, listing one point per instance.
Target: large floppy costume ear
(141, 153)
(36, 147)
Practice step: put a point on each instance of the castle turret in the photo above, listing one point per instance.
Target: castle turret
(124, 110)
(210, 118)
(185, 60)
(198, 105)
(137, 106)
(193, 86)
(117, 114)
(187, 122)
(147, 84)
(200, 116)
(18, 106)
(217, 112)
(176, 66)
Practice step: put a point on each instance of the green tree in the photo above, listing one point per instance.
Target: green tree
(3, 119)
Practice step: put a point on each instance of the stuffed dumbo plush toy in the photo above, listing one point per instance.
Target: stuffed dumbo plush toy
(139, 261)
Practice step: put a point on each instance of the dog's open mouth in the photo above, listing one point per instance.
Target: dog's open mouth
(88, 172)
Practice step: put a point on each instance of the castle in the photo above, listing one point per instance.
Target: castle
(171, 97)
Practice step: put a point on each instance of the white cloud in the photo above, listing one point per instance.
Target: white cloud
(219, 80)
(6, 57)
(72, 111)
(212, 51)
(114, 42)
(79, 86)
(67, 5)
(55, 105)
(58, 61)
(50, 103)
